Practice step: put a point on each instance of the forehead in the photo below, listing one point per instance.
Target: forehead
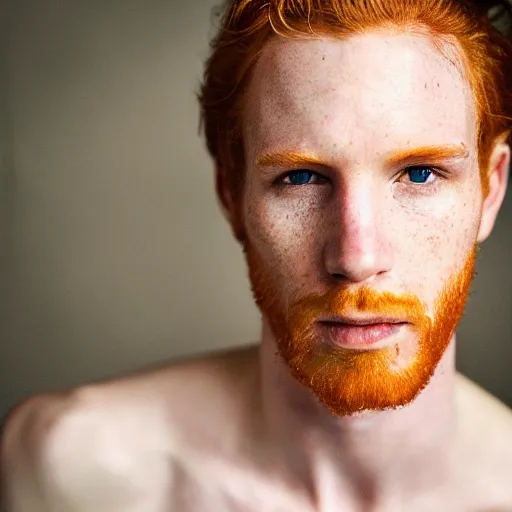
(367, 95)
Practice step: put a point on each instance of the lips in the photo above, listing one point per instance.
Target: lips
(363, 320)
(361, 333)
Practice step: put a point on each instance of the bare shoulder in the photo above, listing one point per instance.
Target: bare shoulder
(124, 429)
(483, 411)
(157, 398)
(486, 440)
(180, 395)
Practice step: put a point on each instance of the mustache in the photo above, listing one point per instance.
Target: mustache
(364, 301)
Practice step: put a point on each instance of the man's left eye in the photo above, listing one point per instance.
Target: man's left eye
(420, 175)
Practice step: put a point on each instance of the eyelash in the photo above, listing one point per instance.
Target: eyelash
(439, 173)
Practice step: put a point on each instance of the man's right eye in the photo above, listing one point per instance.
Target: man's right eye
(300, 177)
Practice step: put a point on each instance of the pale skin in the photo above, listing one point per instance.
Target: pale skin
(234, 431)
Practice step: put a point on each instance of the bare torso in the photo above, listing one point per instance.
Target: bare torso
(187, 438)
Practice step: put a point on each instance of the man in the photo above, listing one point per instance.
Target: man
(362, 205)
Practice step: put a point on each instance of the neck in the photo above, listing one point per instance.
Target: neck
(372, 457)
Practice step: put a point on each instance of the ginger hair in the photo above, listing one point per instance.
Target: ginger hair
(247, 25)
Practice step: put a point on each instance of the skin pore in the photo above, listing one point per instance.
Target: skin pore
(346, 213)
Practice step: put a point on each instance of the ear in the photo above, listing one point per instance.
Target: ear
(498, 178)
(230, 206)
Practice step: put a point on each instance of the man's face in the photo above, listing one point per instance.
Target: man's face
(371, 222)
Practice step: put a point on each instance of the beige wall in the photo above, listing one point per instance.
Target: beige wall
(114, 253)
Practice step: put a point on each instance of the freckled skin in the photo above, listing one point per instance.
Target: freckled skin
(353, 106)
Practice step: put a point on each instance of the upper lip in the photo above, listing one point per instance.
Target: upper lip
(363, 320)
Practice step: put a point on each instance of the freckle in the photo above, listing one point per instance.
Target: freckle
(397, 348)
(437, 84)
(426, 85)
(323, 57)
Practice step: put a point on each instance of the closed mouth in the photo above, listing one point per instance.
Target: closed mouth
(362, 321)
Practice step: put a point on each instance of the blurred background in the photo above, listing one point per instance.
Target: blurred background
(113, 252)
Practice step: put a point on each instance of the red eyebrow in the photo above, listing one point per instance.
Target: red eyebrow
(419, 155)
(289, 159)
(427, 154)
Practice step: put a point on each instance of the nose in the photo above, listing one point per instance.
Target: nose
(357, 247)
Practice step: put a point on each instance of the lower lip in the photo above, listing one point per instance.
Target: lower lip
(361, 336)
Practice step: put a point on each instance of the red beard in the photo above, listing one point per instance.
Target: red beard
(347, 380)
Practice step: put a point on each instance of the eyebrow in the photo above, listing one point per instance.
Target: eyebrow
(428, 153)
(419, 155)
(289, 159)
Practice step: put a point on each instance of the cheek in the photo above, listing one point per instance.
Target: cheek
(283, 232)
(444, 224)
(439, 252)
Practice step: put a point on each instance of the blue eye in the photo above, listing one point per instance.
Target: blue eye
(419, 174)
(299, 177)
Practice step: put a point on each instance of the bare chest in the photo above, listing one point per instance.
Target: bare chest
(216, 485)
(223, 487)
